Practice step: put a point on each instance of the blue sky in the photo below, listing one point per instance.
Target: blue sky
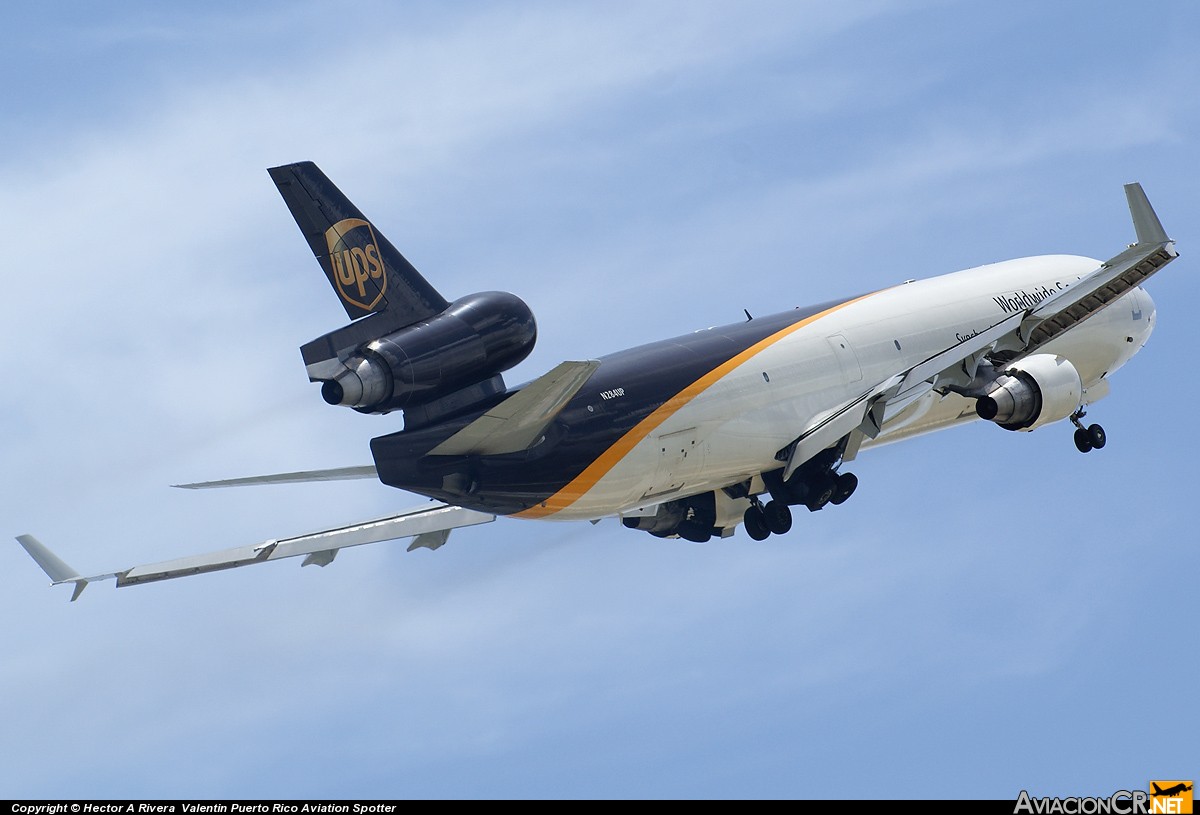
(991, 612)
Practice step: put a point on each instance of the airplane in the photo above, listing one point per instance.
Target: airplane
(689, 437)
(1170, 791)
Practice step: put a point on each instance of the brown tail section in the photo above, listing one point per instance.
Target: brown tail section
(368, 273)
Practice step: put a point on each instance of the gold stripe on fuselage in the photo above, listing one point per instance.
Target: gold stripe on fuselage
(604, 463)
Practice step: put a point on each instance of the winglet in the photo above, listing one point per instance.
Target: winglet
(1149, 229)
(53, 565)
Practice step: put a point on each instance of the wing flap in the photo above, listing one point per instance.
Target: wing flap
(864, 414)
(194, 564)
(407, 524)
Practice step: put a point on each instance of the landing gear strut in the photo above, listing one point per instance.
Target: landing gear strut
(1087, 438)
(814, 485)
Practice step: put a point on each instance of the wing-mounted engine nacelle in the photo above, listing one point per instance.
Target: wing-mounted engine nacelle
(474, 339)
(1038, 390)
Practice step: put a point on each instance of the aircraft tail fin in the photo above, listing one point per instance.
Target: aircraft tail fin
(366, 271)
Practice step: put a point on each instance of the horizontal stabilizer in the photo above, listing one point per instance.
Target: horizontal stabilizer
(521, 420)
(300, 477)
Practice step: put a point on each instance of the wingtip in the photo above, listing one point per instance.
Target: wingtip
(51, 564)
(54, 566)
(1145, 221)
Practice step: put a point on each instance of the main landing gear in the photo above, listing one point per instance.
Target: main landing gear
(1087, 438)
(761, 521)
(813, 487)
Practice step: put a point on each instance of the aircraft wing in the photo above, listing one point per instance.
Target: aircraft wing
(1010, 338)
(1023, 332)
(429, 526)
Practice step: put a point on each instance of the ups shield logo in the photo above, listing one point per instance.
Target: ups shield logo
(356, 266)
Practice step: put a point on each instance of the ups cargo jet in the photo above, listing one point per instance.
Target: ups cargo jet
(691, 436)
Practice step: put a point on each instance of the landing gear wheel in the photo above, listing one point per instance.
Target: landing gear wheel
(1083, 440)
(756, 523)
(1087, 438)
(778, 517)
(819, 501)
(847, 483)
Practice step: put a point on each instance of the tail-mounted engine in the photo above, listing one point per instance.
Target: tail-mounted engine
(474, 339)
(1038, 390)
(407, 346)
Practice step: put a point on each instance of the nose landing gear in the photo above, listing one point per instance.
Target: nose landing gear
(1087, 438)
